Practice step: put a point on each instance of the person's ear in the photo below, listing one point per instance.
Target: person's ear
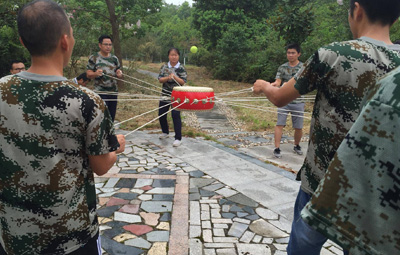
(358, 12)
(64, 42)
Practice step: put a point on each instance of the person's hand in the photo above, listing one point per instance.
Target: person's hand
(99, 72)
(259, 85)
(275, 84)
(171, 77)
(119, 73)
(121, 141)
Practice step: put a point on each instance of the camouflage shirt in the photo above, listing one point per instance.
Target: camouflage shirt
(109, 65)
(357, 203)
(48, 127)
(165, 71)
(344, 74)
(287, 72)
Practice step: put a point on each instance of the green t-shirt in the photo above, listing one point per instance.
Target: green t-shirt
(287, 72)
(109, 65)
(344, 75)
(48, 127)
(357, 203)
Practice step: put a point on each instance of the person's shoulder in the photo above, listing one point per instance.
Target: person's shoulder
(6, 78)
(284, 65)
(389, 85)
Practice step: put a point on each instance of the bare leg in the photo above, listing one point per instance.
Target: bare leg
(298, 133)
(278, 135)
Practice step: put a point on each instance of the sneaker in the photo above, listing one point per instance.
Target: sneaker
(277, 153)
(176, 143)
(163, 136)
(297, 149)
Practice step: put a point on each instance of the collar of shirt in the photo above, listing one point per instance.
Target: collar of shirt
(176, 66)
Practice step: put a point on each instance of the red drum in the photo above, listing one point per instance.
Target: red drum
(194, 98)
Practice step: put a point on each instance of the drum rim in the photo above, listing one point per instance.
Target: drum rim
(192, 89)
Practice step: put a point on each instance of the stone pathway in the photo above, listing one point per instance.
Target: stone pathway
(161, 200)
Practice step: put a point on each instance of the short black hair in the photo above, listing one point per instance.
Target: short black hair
(174, 49)
(15, 62)
(293, 46)
(82, 76)
(385, 12)
(397, 42)
(102, 37)
(41, 24)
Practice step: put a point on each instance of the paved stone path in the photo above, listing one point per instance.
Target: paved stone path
(200, 198)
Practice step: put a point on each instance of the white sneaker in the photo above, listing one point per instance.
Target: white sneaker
(163, 136)
(176, 143)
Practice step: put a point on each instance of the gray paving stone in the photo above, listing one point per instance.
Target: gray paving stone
(163, 183)
(267, 214)
(200, 182)
(228, 215)
(138, 242)
(111, 233)
(252, 217)
(257, 239)
(243, 200)
(218, 232)
(282, 240)
(219, 245)
(253, 249)
(207, 235)
(237, 229)
(240, 220)
(169, 190)
(126, 196)
(195, 247)
(195, 213)
(263, 228)
(225, 239)
(127, 217)
(235, 208)
(111, 183)
(143, 182)
(165, 217)
(158, 236)
(206, 224)
(242, 214)
(206, 193)
(194, 196)
(194, 231)
(226, 192)
(156, 206)
(196, 173)
(226, 251)
(247, 237)
(115, 248)
(213, 187)
(209, 252)
(163, 197)
(107, 211)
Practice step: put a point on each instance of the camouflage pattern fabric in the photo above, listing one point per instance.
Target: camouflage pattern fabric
(109, 65)
(287, 72)
(344, 75)
(48, 127)
(166, 71)
(357, 203)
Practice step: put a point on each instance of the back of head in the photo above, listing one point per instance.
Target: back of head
(385, 12)
(41, 24)
(294, 46)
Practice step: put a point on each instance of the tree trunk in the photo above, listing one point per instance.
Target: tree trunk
(115, 33)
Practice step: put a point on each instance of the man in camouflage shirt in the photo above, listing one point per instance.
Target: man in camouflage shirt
(357, 203)
(53, 135)
(344, 75)
(295, 108)
(100, 67)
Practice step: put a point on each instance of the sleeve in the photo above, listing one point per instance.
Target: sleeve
(100, 136)
(162, 72)
(182, 74)
(91, 63)
(279, 73)
(311, 75)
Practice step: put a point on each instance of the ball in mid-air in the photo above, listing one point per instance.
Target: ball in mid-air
(193, 49)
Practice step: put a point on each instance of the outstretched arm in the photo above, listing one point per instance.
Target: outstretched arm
(278, 96)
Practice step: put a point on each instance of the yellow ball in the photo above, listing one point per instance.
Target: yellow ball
(193, 49)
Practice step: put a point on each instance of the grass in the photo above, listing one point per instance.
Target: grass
(251, 119)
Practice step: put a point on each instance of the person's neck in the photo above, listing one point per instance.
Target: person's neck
(376, 32)
(46, 66)
(104, 54)
(294, 63)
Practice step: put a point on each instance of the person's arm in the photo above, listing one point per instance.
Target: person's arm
(278, 96)
(277, 83)
(177, 78)
(94, 74)
(163, 79)
(100, 164)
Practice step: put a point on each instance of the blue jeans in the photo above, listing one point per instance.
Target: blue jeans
(304, 239)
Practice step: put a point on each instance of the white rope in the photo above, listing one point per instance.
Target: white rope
(135, 84)
(132, 99)
(244, 106)
(148, 83)
(154, 119)
(234, 92)
(142, 114)
(261, 107)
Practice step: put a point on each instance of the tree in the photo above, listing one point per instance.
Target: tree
(294, 20)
